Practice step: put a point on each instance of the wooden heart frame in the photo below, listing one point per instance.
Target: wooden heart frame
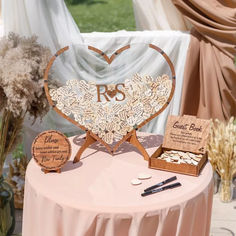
(131, 136)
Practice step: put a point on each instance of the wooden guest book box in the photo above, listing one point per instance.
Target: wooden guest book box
(186, 135)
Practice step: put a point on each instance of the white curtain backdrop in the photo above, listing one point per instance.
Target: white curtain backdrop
(1, 24)
(158, 15)
(52, 22)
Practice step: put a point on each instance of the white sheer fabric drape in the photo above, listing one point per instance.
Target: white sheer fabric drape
(1, 24)
(50, 20)
(0, 11)
(158, 15)
(55, 27)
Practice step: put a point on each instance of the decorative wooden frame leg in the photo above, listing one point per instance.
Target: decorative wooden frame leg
(88, 141)
(133, 139)
(48, 171)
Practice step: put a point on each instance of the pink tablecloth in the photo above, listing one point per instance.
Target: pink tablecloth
(95, 197)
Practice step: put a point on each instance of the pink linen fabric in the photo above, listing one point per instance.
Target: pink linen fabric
(95, 197)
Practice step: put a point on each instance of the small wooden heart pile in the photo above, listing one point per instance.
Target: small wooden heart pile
(141, 97)
(112, 112)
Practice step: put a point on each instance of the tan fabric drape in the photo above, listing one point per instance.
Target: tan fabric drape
(209, 89)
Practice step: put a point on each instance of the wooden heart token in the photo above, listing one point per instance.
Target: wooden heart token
(111, 93)
(144, 176)
(51, 150)
(136, 181)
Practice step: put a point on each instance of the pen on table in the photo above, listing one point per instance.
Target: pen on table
(161, 183)
(161, 189)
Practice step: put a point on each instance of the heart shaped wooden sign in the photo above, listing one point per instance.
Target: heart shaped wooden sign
(111, 113)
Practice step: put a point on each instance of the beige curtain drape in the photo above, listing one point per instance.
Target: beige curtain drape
(0, 11)
(158, 15)
(210, 74)
(1, 21)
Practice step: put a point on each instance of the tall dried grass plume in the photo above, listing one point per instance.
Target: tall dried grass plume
(22, 64)
(222, 154)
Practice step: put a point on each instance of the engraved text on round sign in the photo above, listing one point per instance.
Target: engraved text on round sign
(51, 150)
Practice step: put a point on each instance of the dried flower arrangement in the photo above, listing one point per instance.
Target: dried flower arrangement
(16, 175)
(222, 153)
(22, 65)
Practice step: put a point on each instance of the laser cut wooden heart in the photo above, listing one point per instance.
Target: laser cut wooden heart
(111, 93)
(112, 113)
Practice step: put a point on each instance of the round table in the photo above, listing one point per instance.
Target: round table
(95, 196)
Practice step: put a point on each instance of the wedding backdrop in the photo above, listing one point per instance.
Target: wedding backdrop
(210, 72)
(57, 29)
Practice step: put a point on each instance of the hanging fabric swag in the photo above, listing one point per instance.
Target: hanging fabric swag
(209, 90)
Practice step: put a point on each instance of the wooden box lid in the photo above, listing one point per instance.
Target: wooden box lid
(186, 133)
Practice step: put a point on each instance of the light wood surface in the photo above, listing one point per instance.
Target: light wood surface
(51, 150)
(186, 133)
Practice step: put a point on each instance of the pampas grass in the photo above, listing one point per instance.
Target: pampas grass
(22, 65)
(222, 152)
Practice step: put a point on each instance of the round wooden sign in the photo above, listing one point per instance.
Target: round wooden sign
(51, 150)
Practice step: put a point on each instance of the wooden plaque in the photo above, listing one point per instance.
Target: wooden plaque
(51, 150)
(186, 133)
